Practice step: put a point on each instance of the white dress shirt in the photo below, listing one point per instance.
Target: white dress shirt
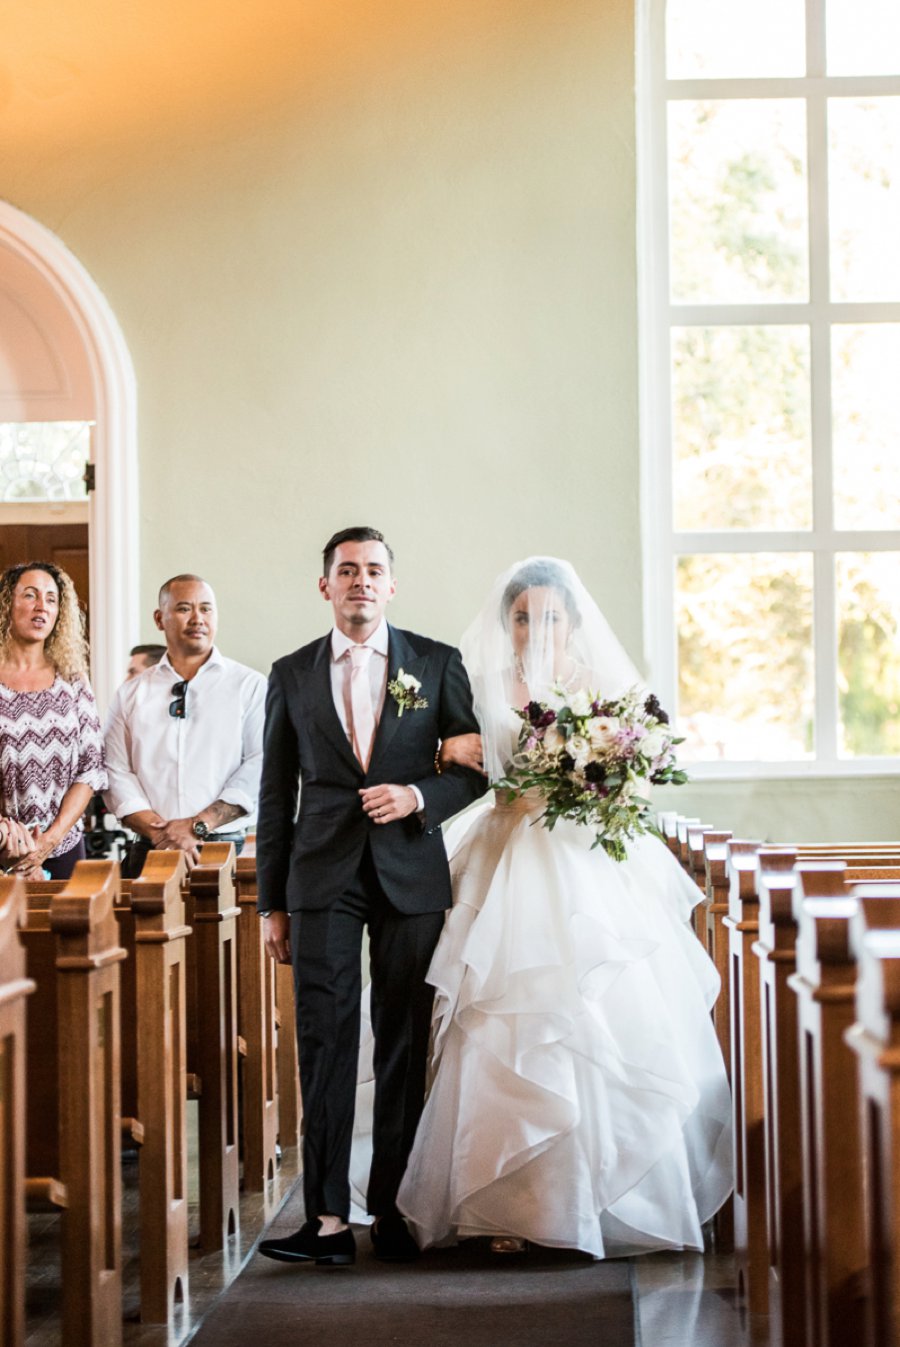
(378, 672)
(178, 767)
(340, 673)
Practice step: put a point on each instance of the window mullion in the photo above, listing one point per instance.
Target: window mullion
(824, 613)
(825, 646)
(815, 39)
(660, 637)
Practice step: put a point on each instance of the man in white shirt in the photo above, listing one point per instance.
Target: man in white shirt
(184, 738)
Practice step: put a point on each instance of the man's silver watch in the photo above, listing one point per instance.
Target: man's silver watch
(200, 829)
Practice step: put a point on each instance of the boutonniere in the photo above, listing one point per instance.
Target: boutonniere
(405, 691)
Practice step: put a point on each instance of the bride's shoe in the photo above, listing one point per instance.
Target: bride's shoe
(506, 1244)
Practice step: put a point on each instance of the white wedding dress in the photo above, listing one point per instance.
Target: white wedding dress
(579, 1097)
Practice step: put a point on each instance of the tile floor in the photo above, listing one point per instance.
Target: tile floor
(208, 1274)
(689, 1300)
(681, 1300)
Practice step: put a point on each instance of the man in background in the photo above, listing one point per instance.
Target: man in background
(184, 738)
(143, 657)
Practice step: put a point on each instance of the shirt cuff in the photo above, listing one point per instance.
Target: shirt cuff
(234, 795)
(134, 804)
(420, 803)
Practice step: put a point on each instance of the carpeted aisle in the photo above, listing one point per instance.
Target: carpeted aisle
(462, 1297)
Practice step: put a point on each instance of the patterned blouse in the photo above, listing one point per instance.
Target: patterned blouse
(49, 740)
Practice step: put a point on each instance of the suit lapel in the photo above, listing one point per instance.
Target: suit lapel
(400, 656)
(324, 709)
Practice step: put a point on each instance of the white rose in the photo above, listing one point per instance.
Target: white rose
(602, 731)
(408, 681)
(653, 743)
(580, 703)
(578, 748)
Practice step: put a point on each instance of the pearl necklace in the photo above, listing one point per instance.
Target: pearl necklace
(519, 666)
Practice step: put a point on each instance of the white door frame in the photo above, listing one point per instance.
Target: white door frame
(113, 514)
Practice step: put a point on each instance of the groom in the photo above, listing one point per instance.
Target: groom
(355, 720)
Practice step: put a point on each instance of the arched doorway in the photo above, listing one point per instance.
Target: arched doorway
(66, 380)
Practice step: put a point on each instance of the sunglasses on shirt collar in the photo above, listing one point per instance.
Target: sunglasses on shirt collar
(178, 704)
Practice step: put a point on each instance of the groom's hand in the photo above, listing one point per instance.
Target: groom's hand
(276, 934)
(387, 804)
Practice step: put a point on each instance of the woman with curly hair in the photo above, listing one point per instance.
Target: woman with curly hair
(51, 746)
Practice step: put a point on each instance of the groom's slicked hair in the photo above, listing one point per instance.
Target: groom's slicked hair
(361, 534)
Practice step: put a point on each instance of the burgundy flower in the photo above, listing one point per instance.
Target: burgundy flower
(653, 708)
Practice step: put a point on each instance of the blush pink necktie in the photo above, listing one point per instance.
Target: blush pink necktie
(361, 703)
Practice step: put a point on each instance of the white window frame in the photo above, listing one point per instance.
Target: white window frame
(662, 543)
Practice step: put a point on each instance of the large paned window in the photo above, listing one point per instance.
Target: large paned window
(770, 209)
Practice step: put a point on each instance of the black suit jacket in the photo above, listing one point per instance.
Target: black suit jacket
(306, 858)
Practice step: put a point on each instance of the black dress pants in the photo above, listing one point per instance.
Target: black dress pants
(326, 949)
(61, 867)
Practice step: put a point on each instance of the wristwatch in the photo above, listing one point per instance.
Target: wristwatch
(200, 829)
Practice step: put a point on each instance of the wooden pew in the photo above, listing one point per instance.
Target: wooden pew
(876, 1041)
(715, 861)
(159, 954)
(776, 950)
(697, 858)
(877, 910)
(290, 1110)
(15, 987)
(825, 984)
(695, 864)
(750, 1216)
(782, 1073)
(683, 851)
(73, 1142)
(257, 1028)
(841, 850)
(212, 915)
(667, 822)
(152, 931)
(715, 856)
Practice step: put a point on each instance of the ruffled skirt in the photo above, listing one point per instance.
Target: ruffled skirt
(579, 1097)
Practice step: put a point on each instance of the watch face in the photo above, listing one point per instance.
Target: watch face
(200, 830)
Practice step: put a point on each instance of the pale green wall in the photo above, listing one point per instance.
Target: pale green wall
(408, 301)
(864, 809)
(404, 294)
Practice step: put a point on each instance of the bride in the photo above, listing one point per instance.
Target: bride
(579, 1098)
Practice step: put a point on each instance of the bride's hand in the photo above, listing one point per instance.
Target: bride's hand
(464, 750)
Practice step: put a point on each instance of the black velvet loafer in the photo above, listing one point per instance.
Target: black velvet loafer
(306, 1245)
(391, 1240)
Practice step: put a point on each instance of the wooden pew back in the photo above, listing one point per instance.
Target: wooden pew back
(213, 914)
(72, 939)
(15, 987)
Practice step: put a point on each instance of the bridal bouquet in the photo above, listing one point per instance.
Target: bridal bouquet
(589, 759)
